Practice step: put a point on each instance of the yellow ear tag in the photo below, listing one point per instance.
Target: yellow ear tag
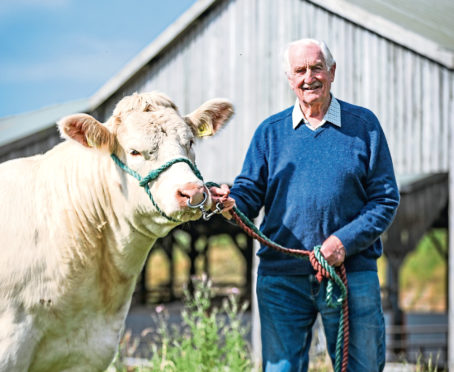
(204, 129)
(90, 142)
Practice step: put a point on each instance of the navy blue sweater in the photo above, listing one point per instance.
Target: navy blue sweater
(335, 180)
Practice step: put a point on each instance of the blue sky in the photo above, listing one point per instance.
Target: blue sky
(54, 51)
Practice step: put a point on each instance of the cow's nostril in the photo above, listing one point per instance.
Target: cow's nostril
(196, 198)
(191, 195)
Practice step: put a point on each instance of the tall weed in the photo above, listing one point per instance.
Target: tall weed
(210, 339)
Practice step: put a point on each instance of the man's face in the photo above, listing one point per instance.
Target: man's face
(308, 76)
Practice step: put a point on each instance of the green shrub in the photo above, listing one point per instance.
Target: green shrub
(211, 339)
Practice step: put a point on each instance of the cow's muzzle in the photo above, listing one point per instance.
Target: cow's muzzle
(206, 213)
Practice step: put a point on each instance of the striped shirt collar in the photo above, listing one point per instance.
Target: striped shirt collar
(333, 115)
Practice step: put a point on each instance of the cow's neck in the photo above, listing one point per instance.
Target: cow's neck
(115, 206)
(106, 226)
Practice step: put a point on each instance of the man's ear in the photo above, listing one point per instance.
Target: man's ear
(210, 117)
(86, 130)
(332, 72)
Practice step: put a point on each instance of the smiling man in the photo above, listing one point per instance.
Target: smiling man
(324, 175)
(310, 75)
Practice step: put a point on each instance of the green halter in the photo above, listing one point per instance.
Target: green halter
(143, 181)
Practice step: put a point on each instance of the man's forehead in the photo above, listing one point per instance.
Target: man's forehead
(306, 54)
(308, 62)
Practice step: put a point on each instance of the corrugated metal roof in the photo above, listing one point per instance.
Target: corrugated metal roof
(420, 25)
(19, 126)
(432, 19)
(408, 183)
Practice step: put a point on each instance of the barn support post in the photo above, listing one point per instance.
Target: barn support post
(450, 114)
(450, 270)
(255, 328)
(397, 316)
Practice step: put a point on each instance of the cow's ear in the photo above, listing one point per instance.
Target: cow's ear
(210, 117)
(86, 130)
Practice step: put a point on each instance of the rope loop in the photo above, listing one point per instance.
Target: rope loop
(155, 173)
(324, 270)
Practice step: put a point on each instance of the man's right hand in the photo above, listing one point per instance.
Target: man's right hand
(333, 250)
(221, 195)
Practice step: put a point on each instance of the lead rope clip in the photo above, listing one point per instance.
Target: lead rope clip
(206, 214)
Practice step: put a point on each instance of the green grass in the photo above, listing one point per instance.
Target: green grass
(422, 278)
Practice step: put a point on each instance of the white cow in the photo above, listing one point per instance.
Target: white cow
(75, 229)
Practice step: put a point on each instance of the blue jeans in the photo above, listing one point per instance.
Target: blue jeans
(288, 307)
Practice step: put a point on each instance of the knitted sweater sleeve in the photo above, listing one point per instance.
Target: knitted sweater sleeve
(249, 188)
(382, 197)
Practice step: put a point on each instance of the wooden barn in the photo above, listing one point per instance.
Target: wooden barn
(396, 58)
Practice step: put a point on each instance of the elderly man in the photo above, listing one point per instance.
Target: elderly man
(323, 172)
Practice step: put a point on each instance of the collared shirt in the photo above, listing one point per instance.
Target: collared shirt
(333, 115)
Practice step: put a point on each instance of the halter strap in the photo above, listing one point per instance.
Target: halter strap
(144, 181)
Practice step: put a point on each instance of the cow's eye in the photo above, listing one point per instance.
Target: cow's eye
(134, 152)
(189, 145)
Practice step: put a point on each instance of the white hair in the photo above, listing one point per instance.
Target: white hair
(329, 60)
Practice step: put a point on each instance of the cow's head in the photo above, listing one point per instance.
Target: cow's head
(145, 132)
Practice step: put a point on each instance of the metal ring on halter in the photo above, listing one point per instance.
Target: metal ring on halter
(201, 204)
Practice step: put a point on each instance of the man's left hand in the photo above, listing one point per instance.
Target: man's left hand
(333, 250)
